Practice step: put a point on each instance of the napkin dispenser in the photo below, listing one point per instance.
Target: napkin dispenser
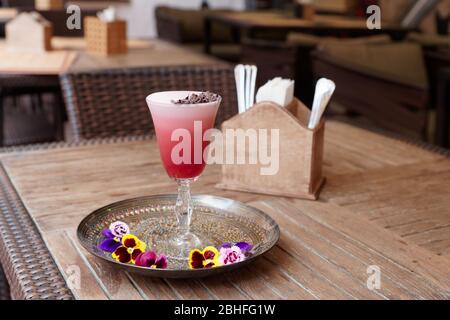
(105, 37)
(298, 150)
(29, 31)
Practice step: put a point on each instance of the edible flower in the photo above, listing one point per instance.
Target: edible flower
(119, 229)
(111, 242)
(130, 249)
(151, 260)
(230, 253)
(207, 258)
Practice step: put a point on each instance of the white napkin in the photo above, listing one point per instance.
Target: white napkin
(108, 14)
(324, 90)
(277, 90)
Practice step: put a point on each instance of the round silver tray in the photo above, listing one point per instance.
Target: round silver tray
(152, 220)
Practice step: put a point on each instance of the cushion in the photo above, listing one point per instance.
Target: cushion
(402, 62)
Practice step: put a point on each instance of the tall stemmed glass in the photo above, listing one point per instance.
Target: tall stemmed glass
(179, 131)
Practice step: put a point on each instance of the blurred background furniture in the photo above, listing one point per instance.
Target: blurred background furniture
(278, 59)
(6, 14)
(185, 27)
(29, 75)
(260, 24)
(17, 3)
(443, 23)
(109, 103)
(58, 17)
(379, 82)
(437, 59)
(443, 109)
(40, 119)
(292, 58)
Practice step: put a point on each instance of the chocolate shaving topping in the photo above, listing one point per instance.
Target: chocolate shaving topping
(193, 98)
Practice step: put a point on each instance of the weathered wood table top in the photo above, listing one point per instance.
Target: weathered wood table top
(274, 19)
(69, 54)
(386, 204)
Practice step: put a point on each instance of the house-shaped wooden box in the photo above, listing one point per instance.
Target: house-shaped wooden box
(29, 31)
(105, 38)
(298, 150)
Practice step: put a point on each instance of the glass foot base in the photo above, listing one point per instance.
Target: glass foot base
(181, 246)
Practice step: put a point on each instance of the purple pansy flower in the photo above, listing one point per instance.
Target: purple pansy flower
(151, 260)
(119, 229)
(111, 242)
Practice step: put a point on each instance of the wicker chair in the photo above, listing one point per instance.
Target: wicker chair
(112, 102)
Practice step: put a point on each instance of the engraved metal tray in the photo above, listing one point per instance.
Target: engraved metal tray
(152, 220)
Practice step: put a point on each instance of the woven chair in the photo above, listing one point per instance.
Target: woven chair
(112, 102)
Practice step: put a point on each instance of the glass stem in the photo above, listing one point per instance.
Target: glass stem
(184, 205)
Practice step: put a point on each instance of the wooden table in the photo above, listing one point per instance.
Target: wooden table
(7, 14)
(70, 55)
(385, 204)
(251, 22)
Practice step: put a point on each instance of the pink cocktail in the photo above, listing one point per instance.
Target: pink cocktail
(195, 119)
(179, 130)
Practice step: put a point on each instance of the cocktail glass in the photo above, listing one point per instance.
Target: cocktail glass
(179, 131)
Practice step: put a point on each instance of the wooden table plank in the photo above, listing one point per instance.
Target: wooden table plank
(432, 269)
(70, 55)
(67, 257)
(342, 256)
(190, 289)
(280, 282)
(115, 282)
(418, 211)
(253, 285)
(153, 289)
(364, 218)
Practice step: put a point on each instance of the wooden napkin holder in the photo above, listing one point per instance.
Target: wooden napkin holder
(105, 38)
(48, 4)
(29, 31)
(300, 152)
